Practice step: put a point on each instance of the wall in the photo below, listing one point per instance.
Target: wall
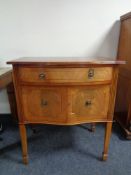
(85, 28)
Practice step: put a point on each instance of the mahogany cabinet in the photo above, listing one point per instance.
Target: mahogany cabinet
(65, 92)
(123, 100)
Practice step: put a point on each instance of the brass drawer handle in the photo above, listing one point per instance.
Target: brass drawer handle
(88, 103)
(44, 103)
(42, 76)
(91, 73)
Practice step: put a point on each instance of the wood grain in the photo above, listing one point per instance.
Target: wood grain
(65, 95)
(5, 77)
(44, 104)
(65, 61)
(22, 129)
(88, 103)
(6, 82)
(57, 75)
(124, 82)
(107, 140)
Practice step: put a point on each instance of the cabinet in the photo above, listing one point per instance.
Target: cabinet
(123, 101)
(65, 92)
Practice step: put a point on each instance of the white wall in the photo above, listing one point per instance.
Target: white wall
(86, 28)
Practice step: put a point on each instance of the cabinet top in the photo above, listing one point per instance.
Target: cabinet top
(65, 61)
(4, 71)
(126, 16)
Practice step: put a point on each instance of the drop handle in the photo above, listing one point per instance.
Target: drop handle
(91, 73)
(44, 103)
(88, 103)
(42, 76)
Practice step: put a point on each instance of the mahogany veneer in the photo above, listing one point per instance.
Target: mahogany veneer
(65, 92)
(123, 102)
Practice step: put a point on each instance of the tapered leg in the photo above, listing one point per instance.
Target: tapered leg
(93, 127)
(107, 140)
(24, 142)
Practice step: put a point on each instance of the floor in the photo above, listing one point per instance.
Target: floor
(59, 150)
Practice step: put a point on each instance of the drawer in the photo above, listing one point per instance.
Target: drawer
(65, 75)
(88, 104)
(43, 104)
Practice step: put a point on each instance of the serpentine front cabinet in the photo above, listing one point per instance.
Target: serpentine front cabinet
(65, 92)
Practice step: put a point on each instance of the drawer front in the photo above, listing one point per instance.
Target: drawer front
(88, 104)
(43, 104)
(65, 75)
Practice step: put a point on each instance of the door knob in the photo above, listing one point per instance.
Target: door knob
(42, 76)
(91, 73)
(44, 103)
(88, 103)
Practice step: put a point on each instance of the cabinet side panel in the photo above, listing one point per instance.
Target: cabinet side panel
(124, 49)
(17, 93)
(113, 93)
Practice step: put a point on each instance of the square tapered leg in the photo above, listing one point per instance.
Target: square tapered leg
(24, 142)
(107, 140)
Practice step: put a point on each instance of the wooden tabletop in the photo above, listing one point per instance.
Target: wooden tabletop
(4, 71)
(5, 76)
(54, 61)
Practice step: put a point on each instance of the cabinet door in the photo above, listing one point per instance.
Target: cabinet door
(43, 104)
(88, 103)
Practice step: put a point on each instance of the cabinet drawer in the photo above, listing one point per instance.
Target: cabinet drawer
(88, 104)
(43, 104)
(64, 75)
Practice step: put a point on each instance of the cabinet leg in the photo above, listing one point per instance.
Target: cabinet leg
(23, 142)
(93, 127)
(107, 140)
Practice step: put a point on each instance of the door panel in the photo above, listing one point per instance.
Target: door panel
(88, 103)
(43, 104)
